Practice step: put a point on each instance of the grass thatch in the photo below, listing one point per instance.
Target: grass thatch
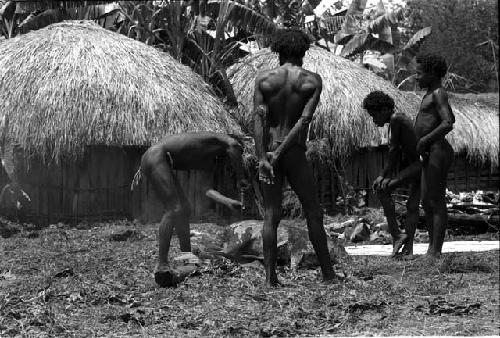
(73, 84)
(476, 130)
(340, 117)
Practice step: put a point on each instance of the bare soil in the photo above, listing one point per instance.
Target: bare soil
(96, 280)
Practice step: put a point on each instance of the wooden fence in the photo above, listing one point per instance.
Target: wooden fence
(98, 188)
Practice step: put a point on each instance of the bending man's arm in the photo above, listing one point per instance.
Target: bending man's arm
(394, 147)
(303, 122)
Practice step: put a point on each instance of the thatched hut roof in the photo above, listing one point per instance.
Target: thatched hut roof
(73, 84)
(340, 117)
(476, 130)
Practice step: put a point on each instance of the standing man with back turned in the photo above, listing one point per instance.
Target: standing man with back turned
(285, 99)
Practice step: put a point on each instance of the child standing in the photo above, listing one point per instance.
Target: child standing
(434, 120)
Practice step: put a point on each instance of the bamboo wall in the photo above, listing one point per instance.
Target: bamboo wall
(361, 169)
(98, 188)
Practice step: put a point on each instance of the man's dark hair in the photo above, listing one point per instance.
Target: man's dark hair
(433, 63)
(290, 42)
(377, 100)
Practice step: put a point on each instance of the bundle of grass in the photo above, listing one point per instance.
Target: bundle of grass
(74, 84)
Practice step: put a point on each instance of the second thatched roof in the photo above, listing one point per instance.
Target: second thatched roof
(74, 84)
(340, 117)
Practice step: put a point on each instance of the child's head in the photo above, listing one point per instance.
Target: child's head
(431, 69)
(380, 106)
(290, 43)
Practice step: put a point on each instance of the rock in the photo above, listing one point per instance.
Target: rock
(8, 229)
(339, 227)
(381, 236)
(381, 227)
(360, 233)
(294, 246)
(187, 258)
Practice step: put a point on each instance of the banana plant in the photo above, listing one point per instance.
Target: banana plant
(8, 18)
(407, 54)
(242, 17)
(19, 17)
(212, 52)
(375, 35)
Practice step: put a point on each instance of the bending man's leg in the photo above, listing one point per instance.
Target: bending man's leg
(159, 174)
(410, 175)
(272, 195)
(412, 215)
(302, 181)
(398, 238)
(182, 224)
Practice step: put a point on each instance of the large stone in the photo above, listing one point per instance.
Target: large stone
(244, 244)
(358, 232)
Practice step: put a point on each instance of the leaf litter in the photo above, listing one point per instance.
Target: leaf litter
(78, 281)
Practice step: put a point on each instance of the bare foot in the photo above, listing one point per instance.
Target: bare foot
(338, 276)
(405, 257)
(408, 248)
(398, 242)
(165, 278)
(433, 254)
(273, 283)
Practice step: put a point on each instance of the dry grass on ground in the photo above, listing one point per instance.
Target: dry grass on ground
(64, 281)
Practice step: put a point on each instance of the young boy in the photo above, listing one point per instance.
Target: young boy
(434, 120)
(380, 106)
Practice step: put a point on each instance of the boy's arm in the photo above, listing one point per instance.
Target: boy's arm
(302, 123)
(443, 108)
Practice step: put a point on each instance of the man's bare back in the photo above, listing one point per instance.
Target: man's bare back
(194, 151)
(286, 91)
(187, 151)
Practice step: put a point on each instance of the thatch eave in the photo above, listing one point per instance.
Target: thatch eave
(74, 84)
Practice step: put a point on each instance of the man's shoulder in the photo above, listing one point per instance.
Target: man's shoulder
(400, 118)
(440, 93)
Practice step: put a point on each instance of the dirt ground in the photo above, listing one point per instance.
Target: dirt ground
(85, 281)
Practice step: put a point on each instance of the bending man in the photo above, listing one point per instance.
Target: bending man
(380, 107)
(190, 151)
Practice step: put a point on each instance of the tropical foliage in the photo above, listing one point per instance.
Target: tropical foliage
(17, 17)
(462, 30)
